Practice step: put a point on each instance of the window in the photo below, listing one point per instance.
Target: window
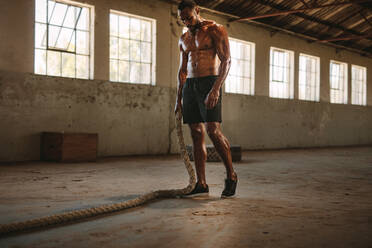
(308, 78)
(358, 85)
(63, 39)
(338, 82)
(241, 74)
(132, 48)
(281, 73)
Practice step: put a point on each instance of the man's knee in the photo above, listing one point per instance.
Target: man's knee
(196, 131)
(213, 130)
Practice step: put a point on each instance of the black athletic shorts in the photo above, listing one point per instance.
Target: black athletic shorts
(194, 93)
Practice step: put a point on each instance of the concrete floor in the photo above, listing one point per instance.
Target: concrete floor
(285, 198)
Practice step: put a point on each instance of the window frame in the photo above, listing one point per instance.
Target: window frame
(91, 11)
(317, 77)
(364, 93)
(290, 72)
(345, 85)
(153, 46)
(252, 61)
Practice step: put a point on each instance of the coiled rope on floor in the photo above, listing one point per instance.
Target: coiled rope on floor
(104, 209)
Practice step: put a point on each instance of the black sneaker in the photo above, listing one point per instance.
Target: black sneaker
(199, 190)
(230, 187)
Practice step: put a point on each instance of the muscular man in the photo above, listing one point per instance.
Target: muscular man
(200, 79)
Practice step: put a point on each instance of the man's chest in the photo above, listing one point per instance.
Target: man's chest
(201, 40)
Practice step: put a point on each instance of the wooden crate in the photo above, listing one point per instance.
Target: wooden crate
(212, 155)
(68, 147)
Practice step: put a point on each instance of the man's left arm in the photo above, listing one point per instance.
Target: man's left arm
(221, 41)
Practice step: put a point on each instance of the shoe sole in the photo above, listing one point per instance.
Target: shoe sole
(225, 196)
(195, 195)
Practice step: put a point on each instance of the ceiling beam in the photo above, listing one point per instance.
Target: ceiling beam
(335, 12)
(345, 38)
(368, 49)
(365, 18)
(296, 20)
(353, 24)
(214, 4)
(288, 12)
(305, 3)
(363, 52)
(339, 22)
(311, 18)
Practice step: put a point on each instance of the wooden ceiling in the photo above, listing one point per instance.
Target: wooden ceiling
(345, 24)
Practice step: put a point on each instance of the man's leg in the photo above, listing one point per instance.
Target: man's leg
(200, 151)
(222, 146)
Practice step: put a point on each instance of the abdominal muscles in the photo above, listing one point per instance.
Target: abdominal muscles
(202, 63)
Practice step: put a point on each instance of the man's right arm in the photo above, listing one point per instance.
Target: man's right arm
(182, 74)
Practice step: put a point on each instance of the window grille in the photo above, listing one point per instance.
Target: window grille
(338, 82)
(241, 75)
(62, 39)
(308, 78)
(358, 85)
(281, 73)
(132, 48)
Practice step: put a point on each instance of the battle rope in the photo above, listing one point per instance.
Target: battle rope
(104, 209)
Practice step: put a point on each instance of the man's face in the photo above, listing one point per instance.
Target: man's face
(189, 17)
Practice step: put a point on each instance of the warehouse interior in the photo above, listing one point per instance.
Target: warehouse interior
(297, 102)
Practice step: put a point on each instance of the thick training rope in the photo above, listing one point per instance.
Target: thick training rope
(104, 209)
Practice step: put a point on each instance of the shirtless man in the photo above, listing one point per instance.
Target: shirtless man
(200, 79)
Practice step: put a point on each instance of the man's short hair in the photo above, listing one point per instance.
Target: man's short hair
(186, 4)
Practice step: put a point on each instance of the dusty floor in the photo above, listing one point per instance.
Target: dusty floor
(286, 198)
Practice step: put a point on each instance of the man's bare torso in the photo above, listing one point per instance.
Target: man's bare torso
(201, 51)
